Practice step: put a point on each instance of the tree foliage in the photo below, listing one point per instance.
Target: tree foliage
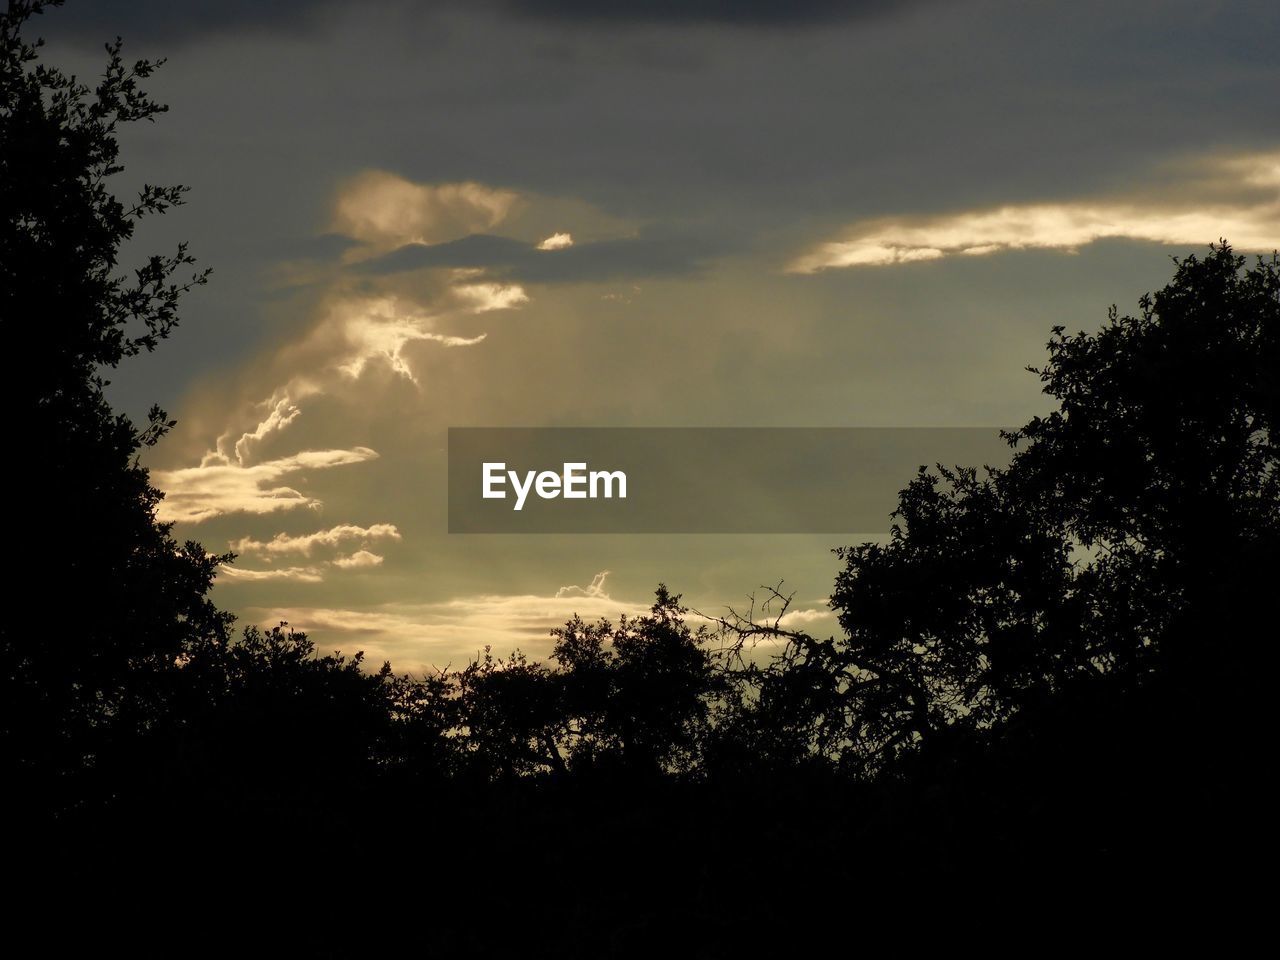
(639, 693)
(121, 600)
(631, 697)
(1132, 535)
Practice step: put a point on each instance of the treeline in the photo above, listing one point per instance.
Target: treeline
(265, 710)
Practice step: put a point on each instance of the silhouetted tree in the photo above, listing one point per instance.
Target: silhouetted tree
(419, 742)
(268, 713)
(1161, 464)
(109, 602)
(1137, 525)
(510, 715)
(637, 695)
(634, 696)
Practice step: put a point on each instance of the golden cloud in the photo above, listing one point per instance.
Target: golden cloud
(283, 543)
(220, 486)
(1194, 213)
(385, 210)
(452, 632)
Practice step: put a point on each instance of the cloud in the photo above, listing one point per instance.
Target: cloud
(360, 560)
(298, 574)
(381, 208)
(353, 333)
(758, 13)
(1180, 218)
(357, 324)
(283, 543)
(483, 297)
(401, 227)
(451, 632)
(152, 19)
(594, 589)
(281, 411)
(557, 241)
(477, 251)
(379, 328)
(219, 486)
(646, 254)
(801, 619)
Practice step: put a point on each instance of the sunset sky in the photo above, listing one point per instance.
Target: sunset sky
(625, 214)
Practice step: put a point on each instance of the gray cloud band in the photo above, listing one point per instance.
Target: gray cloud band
(624, 258)
(162, 18)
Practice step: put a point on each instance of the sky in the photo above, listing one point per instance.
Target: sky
(703, 213)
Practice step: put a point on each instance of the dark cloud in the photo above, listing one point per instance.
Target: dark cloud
(329, 246)
(630, 258)
(164, 19)
(758, 12)
(786, 136)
